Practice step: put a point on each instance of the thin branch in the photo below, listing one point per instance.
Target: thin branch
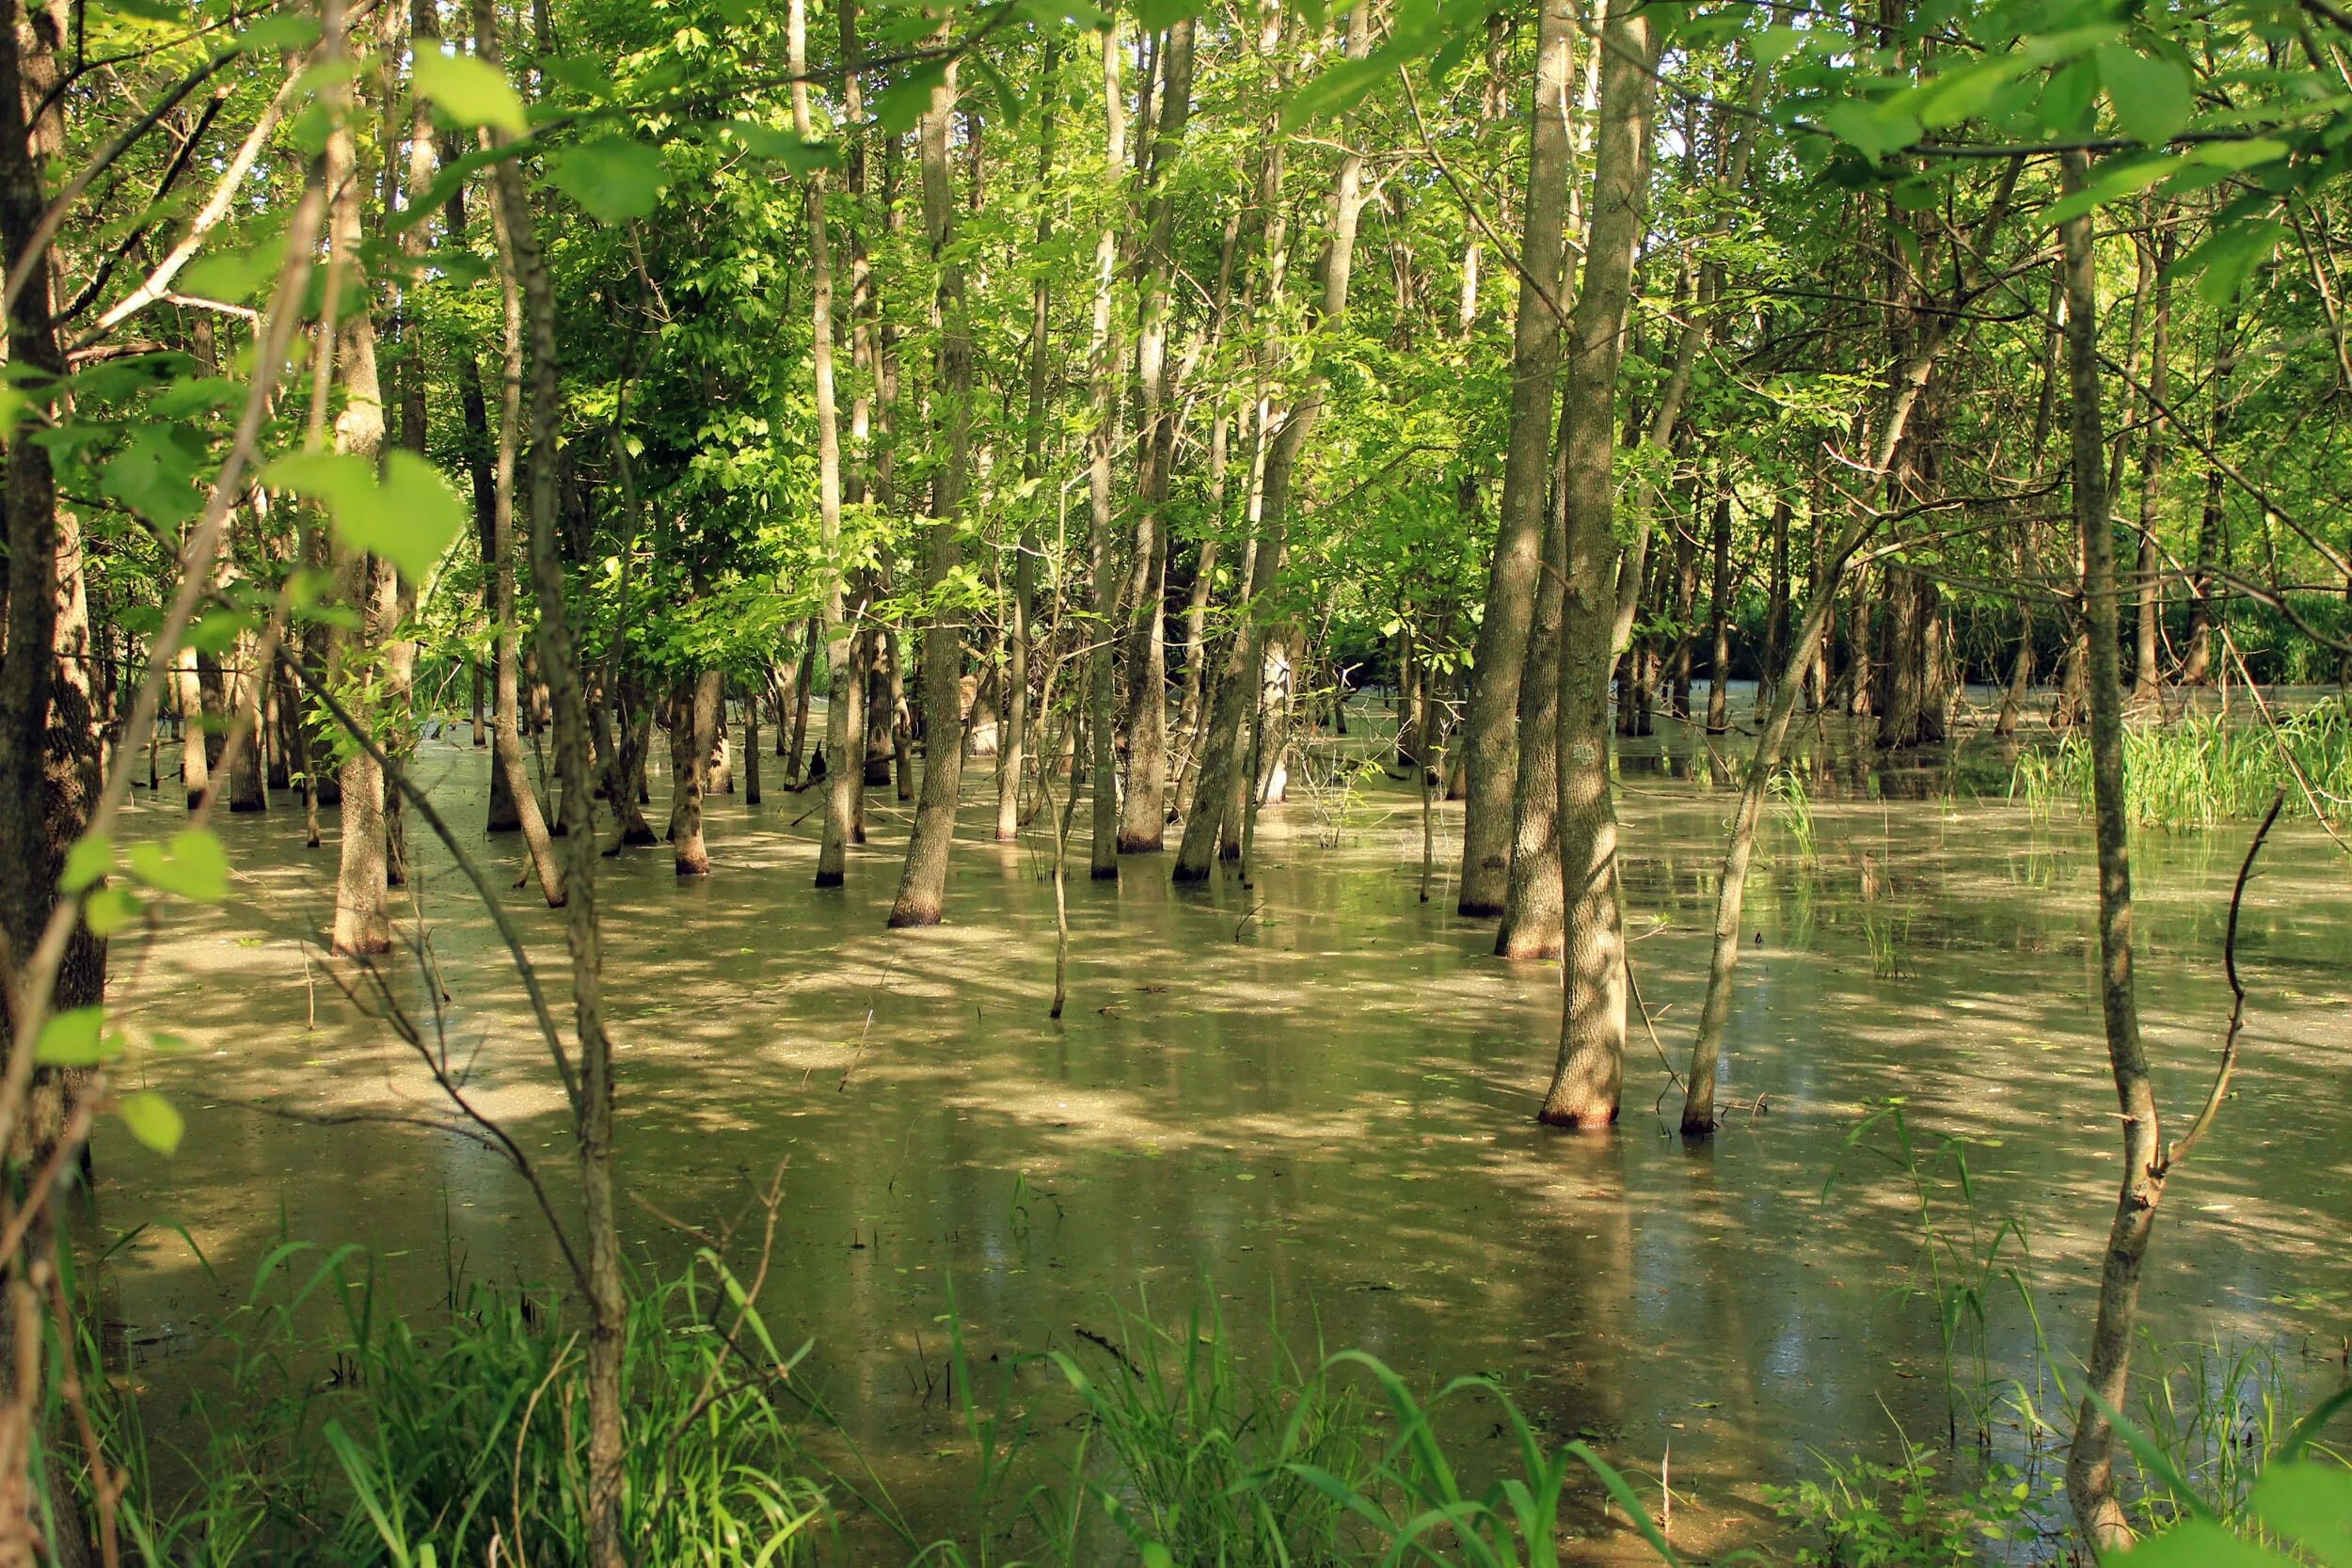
(2176, 1152)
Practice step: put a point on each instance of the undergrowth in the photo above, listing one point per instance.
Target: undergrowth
(374, 1443)
(2203, 770)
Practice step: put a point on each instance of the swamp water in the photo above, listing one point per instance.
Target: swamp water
(1315, 1095)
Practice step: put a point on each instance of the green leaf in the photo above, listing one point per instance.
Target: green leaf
(279, 31)
(2222, 264)
(2310, 1505)
(217, 631)
(786, 147)
(614, 178)
(2201, 1544)
(408, 518)
(152, 1119)
(470, 92)
(109, 910)
(190, 863)
(2118, 180)
(413, 517)
(91, 857)
(154, 476)
(197, 394)
(1774, 44)
(1873, 129)
(234, 276)
(2238, 154)
(329, 478)
(2152, 98)
(72, 1038)
(903, 102)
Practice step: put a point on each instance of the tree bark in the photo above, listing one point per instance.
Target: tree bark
(1591, 1065)
(1143, 821)
(1101, 436)
(363, 921)
(1533, 911)
(923, 886)
(607, 1306)
(842, 729)
(1491, 739)
(2091, 1459)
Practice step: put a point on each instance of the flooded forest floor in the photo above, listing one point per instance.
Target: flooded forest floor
(1310, 1099)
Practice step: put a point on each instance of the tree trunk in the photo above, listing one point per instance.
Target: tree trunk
(2091, 1459)
(923, 887)
(607, 1306)
(1226, 771)
(2147, 680)
(1101, 436)
(695, 713)
(1143, 822)
(1533, 909)
(1585, 1080)
(1719, 617)
(196, 767)
(1491, 739)
(363, 921)
(843, 726)
(2213, 523)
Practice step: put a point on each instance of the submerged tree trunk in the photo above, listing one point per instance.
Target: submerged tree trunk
(1143, 821)
(363, 920)
(923, 887)
(513, 799)
(1101, 436)
(843, 726)
(1226, 773)
(2091, 1459)
(694, 716)
(1491, 739)
(1591, 1065)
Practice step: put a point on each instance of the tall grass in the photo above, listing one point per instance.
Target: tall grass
(376, 1443)
(372, 1442)
(2201, 770)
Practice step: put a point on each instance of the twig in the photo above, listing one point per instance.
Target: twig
(2175, 1153)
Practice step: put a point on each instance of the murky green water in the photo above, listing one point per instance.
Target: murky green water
(1316, 1093)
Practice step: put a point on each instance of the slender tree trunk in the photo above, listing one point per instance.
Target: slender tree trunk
(608, 1306)
(1719, 617)
(2147, 680)
(751, 696)
(1585, 1081)
(1101, 437)
(843, 731)
(1533, 910)
(696, 716)
(1830, 564)
(363, 921)
(2213, 523)
(1226, 771)
(196, 769)
(1143, 825)
(2090, 1460)
(1491, 740)
(1013, 748)
(923, 887)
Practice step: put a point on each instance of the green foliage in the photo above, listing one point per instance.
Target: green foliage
(1862, 1514)
(2206, 770)
(429, 1445)
(1193, 1454)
